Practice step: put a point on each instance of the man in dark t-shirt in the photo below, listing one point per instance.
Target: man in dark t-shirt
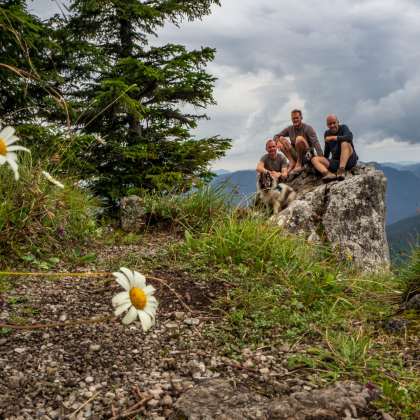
(273, 162)
(339, 142)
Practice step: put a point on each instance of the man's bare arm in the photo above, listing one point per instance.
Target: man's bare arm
(260, 168)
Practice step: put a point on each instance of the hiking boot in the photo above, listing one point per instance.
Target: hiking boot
(341, 174)
(327, 176)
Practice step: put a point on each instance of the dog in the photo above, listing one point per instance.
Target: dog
(307, 164)
(273, 199)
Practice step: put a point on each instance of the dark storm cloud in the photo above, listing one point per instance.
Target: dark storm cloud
(356, 59)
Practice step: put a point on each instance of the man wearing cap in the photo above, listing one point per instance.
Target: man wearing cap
(302, 137)
(338, 142)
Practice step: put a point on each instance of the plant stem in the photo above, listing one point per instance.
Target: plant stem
(35, 327)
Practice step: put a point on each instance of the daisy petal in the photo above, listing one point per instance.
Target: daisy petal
(152, 299)
(131, 316)
(2, 160)
(145, 320)
(11, 155)
(6, 134)
(151, 304)
(139, 280)
(149, 290)
(16, 148)
(149, 312)
(122, 307)
(122, 280)
(14, 167)
(121, 297)
(129, 275)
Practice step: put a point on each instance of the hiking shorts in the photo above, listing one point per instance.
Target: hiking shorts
(335, 163)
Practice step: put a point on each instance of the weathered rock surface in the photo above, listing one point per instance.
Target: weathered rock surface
(217, 399)
(349, 215)
(132, 213)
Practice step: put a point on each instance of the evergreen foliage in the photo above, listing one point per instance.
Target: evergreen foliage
(25, 67)
(132, 94)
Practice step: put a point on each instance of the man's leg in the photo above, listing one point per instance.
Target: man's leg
(301, 147)
(346, 152)
(322, 164)
(284, 146)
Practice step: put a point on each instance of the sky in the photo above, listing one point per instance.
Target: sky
(357, 59)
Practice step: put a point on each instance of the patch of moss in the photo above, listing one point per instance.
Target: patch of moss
(411, 314)
(320, 210)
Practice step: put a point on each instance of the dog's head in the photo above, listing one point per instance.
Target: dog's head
(309, 154)
(267, 181)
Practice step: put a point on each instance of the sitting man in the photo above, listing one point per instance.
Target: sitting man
(273, 162)
(338, 141)
(302, 137)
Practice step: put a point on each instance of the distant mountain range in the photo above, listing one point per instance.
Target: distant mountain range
(403, 194)
(411, 166)
(403, 191)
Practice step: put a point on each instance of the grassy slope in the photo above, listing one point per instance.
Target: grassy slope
(282, 289)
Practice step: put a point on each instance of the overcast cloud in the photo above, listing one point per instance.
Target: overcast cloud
(357, 59)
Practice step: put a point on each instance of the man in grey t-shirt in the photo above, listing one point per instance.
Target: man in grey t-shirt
(273, 162)
(302, 137)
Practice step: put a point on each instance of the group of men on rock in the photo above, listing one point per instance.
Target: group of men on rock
(338, 142)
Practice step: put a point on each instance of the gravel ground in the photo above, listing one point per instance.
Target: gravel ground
(98, 371)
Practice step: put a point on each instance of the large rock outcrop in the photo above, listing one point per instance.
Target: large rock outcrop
(348, 215)
(218, 400)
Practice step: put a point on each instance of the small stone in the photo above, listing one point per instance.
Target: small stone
(284, 348)
(152, 403)
(200, 380)
(14, 381)
(192, 321)
(89, 379)
(248, 364)
(386, 416)
(20, 350)
(110, 395)
(4, 315)
(62, 318)
(179, 315)
(87, 395)
(166, 401)
(95, 347)
(263, 358)
(171, 327)
(264, 371)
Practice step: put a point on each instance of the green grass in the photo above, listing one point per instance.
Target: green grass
(37, 216)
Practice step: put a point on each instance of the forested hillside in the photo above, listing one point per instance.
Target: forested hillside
(402, 234)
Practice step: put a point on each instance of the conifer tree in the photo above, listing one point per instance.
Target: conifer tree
(131, 95)
(25, 65)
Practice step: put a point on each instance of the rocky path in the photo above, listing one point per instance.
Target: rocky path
(108, 370)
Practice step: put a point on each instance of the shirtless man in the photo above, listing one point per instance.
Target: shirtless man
(302, 137)
(338, 141)
(273, 162)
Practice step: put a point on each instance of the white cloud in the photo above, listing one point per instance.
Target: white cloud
(353, 58)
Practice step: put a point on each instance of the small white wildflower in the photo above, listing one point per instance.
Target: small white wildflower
(52, 180)
(98, 138)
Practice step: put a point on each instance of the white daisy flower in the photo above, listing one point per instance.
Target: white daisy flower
(7, 138)
(98, 138)
(138, 298)
(52, 180)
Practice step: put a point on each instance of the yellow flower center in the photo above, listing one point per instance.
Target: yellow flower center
(138, 298)
(2, 148)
